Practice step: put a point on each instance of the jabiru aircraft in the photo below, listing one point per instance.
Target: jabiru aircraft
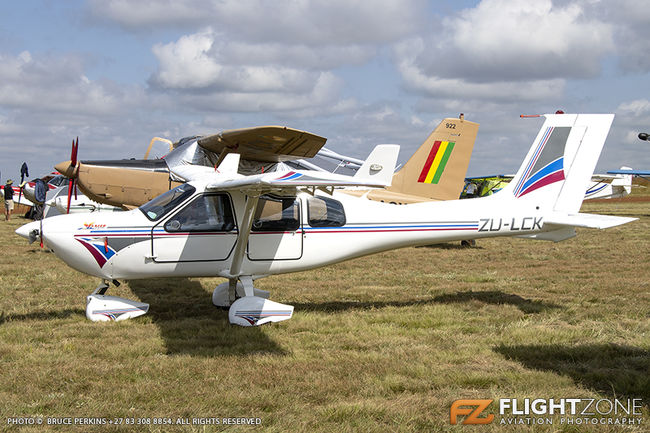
(243, 228)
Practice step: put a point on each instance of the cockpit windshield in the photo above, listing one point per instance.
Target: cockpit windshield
(58, 180)
(161, 205)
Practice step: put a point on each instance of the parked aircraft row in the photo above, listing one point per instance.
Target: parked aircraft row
(602, 186)
(232, 205)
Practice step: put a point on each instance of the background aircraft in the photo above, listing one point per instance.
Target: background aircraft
(602, 186)
(244, 227)
(627, 171)
(444, 155)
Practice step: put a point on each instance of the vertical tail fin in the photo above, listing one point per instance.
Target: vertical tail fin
(622, 184)
(437, 169)
(561, 161)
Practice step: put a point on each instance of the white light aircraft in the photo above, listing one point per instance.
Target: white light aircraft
(610, 186)
(247, 227)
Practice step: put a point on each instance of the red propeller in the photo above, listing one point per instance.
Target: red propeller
(73, 163)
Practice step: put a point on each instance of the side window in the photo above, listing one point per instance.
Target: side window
(274, 214)
(57, 181)
(325, 212)
(206, 213)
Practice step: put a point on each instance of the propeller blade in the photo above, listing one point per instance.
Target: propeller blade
(70, 186)
(73, 163)
(73, 154)
(40, 231)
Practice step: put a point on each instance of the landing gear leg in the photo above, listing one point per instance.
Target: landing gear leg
(104, 308)
(251, 306)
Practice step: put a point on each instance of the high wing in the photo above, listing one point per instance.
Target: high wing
(375, 172)
(378, 168)
(264, 143)
(290, 180)
(632, 172)
(492, 177)
(603, 177)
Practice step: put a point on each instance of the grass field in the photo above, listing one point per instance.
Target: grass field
(382, 343)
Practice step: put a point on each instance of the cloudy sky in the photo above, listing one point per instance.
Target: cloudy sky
(118, 72)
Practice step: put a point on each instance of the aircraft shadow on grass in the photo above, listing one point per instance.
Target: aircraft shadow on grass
(489, 297)
(452, 246)
(42, 315)
(611, 369)
(190, 324)
(497, 297)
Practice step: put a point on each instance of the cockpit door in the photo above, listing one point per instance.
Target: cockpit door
(203, 230)
(276, 233)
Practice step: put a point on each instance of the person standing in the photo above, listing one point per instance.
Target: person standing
(9, 199)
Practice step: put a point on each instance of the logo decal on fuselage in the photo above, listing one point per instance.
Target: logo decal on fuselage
(88, 226)
(101, 251)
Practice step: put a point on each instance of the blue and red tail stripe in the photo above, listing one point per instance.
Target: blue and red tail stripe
(533, 160)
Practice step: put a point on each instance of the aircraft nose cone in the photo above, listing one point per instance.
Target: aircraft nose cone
(29, 231)
(66, 168)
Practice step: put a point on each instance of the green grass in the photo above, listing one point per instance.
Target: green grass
(382, 343)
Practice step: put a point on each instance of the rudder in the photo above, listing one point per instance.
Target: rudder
(437, 170)
(561, 161)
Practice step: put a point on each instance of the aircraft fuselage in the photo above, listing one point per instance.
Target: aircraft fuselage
(288, 234)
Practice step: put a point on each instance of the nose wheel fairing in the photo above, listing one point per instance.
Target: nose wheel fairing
(104, 308)
(251, 306)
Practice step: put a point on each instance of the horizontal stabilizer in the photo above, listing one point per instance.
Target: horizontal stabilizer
(558, 235)
(380, 165)
(592, 221)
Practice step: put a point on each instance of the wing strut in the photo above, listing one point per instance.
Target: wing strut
(240, 247)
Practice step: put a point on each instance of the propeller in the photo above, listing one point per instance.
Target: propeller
(73, 163)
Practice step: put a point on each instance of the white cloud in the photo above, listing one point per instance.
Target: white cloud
(310, 22)
(503, 53)
(636, 108)
(57, 84)
(322, 99)
(136, 14)
(186, 63)
(207, 73)
(521, 40)
(431, 85)
(631, 21)
(197, 62)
